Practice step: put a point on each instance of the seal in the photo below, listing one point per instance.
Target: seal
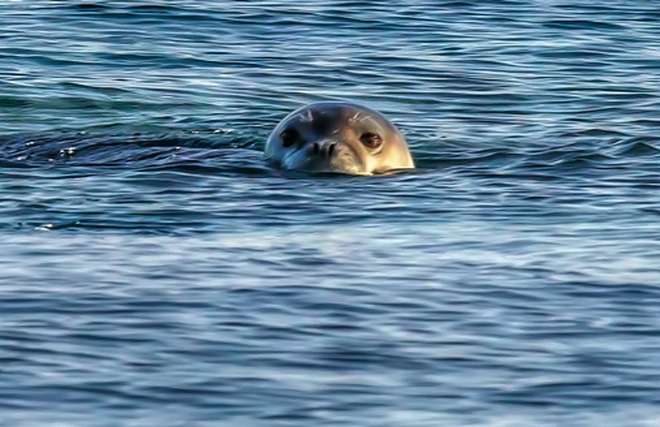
(338, 137)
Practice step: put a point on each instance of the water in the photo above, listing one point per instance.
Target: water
(154, 271)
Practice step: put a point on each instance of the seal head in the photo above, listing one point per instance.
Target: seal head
(338, 137)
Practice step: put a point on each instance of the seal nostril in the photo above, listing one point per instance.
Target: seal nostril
(331, 149)
(316, 148)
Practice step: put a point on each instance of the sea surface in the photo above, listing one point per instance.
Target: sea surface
(154, 271)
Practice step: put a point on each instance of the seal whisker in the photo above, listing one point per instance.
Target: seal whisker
(306, 116)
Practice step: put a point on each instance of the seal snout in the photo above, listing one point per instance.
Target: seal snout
(324, 149)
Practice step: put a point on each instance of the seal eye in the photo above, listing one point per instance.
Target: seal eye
(289, 137)
(371, 140)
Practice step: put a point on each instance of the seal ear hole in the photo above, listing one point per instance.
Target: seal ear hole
(289, 137)
(371, 140)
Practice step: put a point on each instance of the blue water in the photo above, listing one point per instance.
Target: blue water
(155, 272)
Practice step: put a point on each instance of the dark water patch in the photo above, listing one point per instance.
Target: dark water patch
(90, 7)
(583, 25)
(125, 151)
(638, 147)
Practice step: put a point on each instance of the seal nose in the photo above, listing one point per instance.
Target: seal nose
(324, 149)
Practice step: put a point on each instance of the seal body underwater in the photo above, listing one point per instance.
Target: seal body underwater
(338, 137)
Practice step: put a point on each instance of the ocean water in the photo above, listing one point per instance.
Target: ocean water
(155, 272)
